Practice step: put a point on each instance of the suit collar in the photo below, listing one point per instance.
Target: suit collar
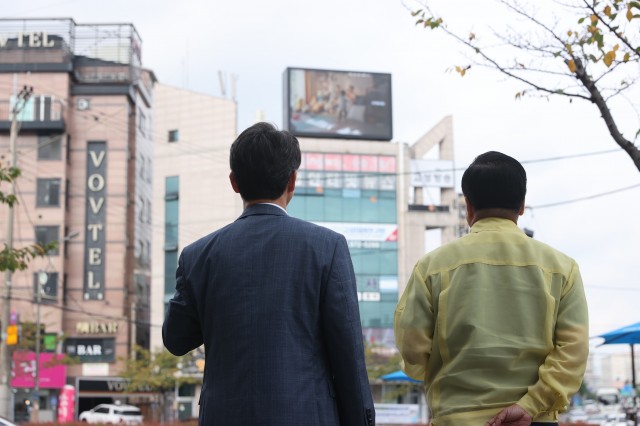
(263, 209)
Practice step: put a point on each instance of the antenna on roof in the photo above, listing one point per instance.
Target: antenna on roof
(222, 79)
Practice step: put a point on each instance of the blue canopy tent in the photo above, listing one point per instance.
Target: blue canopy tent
(398, 376)
(629, 335)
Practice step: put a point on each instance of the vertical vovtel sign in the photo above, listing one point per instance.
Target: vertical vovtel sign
(95, 220)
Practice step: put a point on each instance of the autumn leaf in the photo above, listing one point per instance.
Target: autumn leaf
(462, 71)
(629, 14)
(594, 19)
(609, 57)
(626, 57)
(572, 65)
(607, 11)
(569, 49)
(569, 33)
(471, 36)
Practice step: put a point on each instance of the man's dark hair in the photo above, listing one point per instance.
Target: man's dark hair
(495, 180)
(262, 159)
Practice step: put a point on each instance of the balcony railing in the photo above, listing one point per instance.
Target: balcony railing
(39, 113)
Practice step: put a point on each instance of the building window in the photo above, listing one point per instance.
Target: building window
(47, 282)
(68, 149)
(174, 135)
(48, 193)
(46, 235)
(171, 206)
(171, 210)
(142, 123)
(67, 188)
(49, 147)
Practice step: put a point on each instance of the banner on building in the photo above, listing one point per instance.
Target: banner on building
(406, 414)
(432, 173)
(380, 232)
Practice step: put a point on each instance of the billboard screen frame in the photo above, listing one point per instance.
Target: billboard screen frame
(385, 135)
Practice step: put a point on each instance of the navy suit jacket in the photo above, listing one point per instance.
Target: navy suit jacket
(273, 299)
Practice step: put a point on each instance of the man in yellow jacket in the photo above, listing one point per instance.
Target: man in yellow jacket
(495, 323)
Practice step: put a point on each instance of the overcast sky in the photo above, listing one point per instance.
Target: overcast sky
(187, 43)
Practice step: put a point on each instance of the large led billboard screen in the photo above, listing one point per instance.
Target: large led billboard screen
(338, 104)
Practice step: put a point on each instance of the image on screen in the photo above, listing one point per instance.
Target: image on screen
(338, 104)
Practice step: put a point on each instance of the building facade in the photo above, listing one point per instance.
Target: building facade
(192, 196)
(372, 192)
(85, 148)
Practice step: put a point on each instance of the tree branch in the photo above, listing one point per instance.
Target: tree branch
(598, 100)
(505, 71)
(611, 30)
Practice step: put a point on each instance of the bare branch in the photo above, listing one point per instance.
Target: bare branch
(506, 71)
(621, 89)
(534, 20)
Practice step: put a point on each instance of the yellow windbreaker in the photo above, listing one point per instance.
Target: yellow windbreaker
(492, 319)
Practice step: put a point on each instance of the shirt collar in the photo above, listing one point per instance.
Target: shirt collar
(276, 205)
(494, 224)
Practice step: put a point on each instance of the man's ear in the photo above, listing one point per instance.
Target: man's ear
(291, 185)
(234, 184)
(521, 211)
(470, 210)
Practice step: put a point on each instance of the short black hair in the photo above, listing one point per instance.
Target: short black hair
(495, 180)
(262, 159)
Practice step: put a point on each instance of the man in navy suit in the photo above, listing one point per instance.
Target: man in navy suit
(273, 300)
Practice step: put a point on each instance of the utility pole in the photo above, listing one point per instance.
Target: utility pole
(43, 277)
(5, 360)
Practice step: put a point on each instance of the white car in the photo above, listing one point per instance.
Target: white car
(112, 414)
(5, 422)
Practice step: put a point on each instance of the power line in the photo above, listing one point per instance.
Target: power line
(589, 197)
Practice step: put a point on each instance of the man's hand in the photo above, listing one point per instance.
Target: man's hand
(511, 416)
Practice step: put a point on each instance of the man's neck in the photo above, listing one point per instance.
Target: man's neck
(499, 213)
(281, 202)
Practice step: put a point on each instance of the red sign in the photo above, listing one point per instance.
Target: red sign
(369, 163)
(333, 162)
(314, 161)
(387, 164)
(52, 373)
(351, 163)
(66, 404)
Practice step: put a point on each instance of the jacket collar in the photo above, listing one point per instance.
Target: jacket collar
(495, 224)
(262, 209)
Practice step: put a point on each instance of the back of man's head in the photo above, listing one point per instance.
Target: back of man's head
(262, 160)
(495, 180)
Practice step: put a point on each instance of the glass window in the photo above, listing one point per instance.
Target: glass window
(50, 147)
(48, 193)
(171, 225)
(171, 187)
(142, 122)
(49, 288)
(174, 135)
(67, 187)
(170, 265)
(187, 389)
(48, 234)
